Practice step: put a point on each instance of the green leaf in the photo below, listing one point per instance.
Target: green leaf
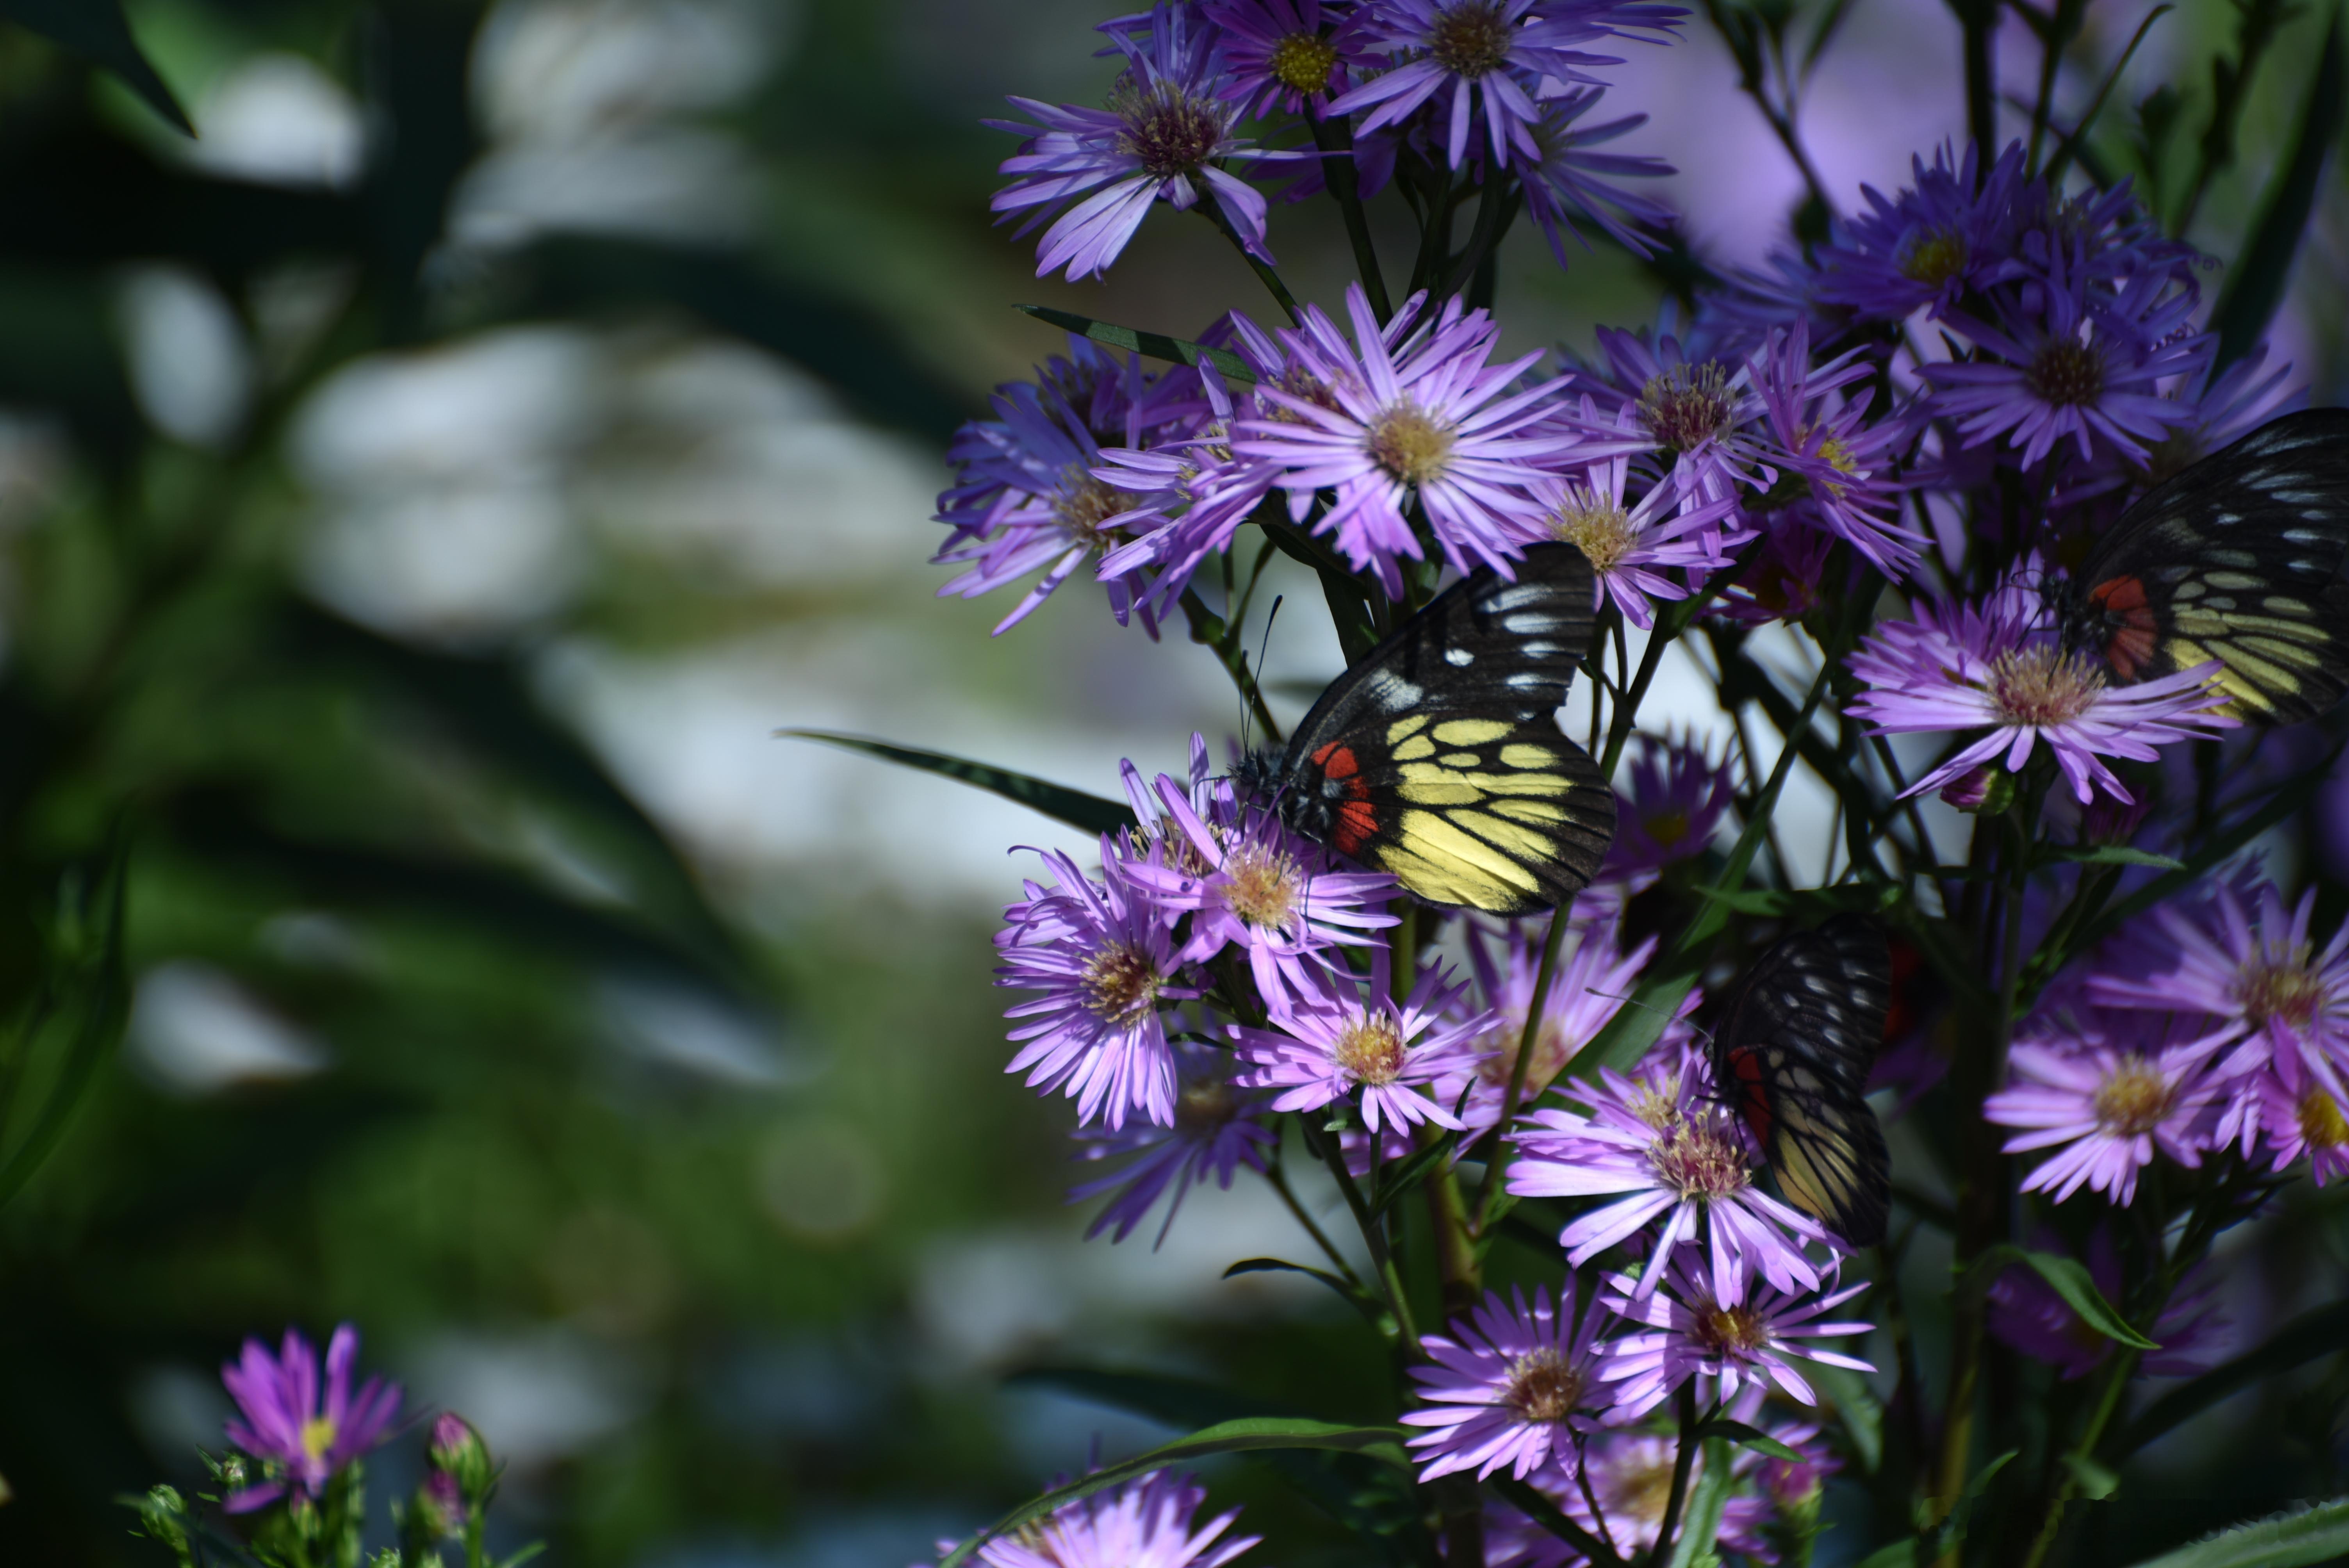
(96, 31)
(1855, 1404)
(1919, 1550)
(1530, 1503)
(2097, 1481)
(1702, 1521)
(2316, 1535)
(1074, 806)
(2105, 855)
(2313, 1333)
(1248, 1434)
(1156, 346)
(1360, 1300)
(1754, 1437)
(2069, 1278)
(88, 993)
(2257, 285)
(1408, 1172)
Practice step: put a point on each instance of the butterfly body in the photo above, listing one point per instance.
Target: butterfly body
(1792, 1055)
(1437, 758)
(2243, 558)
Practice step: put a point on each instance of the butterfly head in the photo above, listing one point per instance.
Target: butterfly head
(1262, 776)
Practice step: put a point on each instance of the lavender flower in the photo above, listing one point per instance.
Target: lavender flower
(1997, 666)
(1746, 1339)
(1695, 405)
(1566, 176)
(1629, 1474)
(1661, 1146)
(1587, 991)
(2106, 1103)
(1162, 137)
(1678, 797)
(1784, 582)
(1511, 1386)
(1218, 1127)
(1142, 1523)
(1833, 467)
(2307, 1124)
(1289, 54)
(303, 1436)
(1630, 548)
(2026, 1313)
(1331, 1043)
(1104, 956)
(1928, 246)
(1428, 421)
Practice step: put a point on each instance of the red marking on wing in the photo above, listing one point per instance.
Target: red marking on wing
(1747, 1066)
(1337, 760)
(2135, 634)
(1355, 825)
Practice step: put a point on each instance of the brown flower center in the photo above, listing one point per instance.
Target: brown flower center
(2280, 988)
(1699, 1158)
(1409, 445)
(1602, 530)
(1301, 62)
(2133, 1099)
(1666, 828)
(1641, 1492)
(2066, 373)
(1470, 40)
(2321, 1121)
(1933, 257)
(1730, 1330)
(1500, 1043)
(1542, 1386)
(2043, 686)
(1203, 1105)
(1120, 984)
(1263, 885)
(1688, 404)
(1083, 503)
(1167, 130)
(1371, 1050)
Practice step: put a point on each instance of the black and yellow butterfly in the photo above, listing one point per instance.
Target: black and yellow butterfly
(1438, 760)
(2239, 559)
(1793, 1052)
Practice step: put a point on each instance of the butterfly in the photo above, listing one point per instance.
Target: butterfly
(2239, 559)
(1793, 1052)
(1437, 758)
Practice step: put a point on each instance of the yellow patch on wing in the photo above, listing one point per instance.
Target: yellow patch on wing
(1520, 755)
(1413, 748)
(1434, 836)
(1474, 731)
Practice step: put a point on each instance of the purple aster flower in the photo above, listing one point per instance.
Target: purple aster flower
(1678, 797)
(1588, 989)
(2307, 1124)
(303, 1435)
(1629, 1474)
(1329, 1043)
(1104, 956)
(1749, 1340)
(1631, 547)
(1566, 176)
(1998, 667)
(1142, 1523)
(1785, 582)
(2069, 369)
(1160, 139)
(1490, 55)
(1427, 421)
(1662, 1146)
(1218, 1128)
(1684, 401)
(2105, 1100)
(1834, 469)
(2252, 966)
(1929, 246)
(1793, 1483)
(1251, 882)
(2026, 1313)
(1510, 1386)
(1289, 53)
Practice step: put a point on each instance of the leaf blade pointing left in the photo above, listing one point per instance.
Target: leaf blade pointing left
(96, 31)
(1090, 813)
(1246, 1434)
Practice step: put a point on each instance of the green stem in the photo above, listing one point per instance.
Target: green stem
(1335, 138)
(1496, 1161)
(1211, 631)
(1279, 1181)
(1494, 207)
(1262, 269)
(1390, 1284)
(1684, 1406)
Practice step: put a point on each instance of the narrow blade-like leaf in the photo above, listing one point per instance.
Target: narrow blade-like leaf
(1156, 345)
(2318, 1534)
(2256, 286)
(2069, 1278)
(1074, 806)
(96, 31)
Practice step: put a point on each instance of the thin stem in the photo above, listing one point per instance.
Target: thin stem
(1390, 1278)
(1980, 18)
(1684, 1405)
(1278, 1179)
(1497, 1162)
(1335, 138)
(1211, 631)
(1492, 206)
(1263, 269)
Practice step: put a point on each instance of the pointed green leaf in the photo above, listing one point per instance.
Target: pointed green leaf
(1749, 1437)
(96, 31)
(1360, 1300)
(2106, 855)
(1246, 1434)
(1855, 1403)
(1701, 1520)
(1156, 345)
(2317, 1534)
(2257, 283)
(2069, 1278)
(2313, 1333)
(1074, 806)
(2095, 1482)
(90, 991)
(1530, 1503)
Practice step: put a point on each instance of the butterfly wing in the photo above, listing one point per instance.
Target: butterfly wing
(1794, 1049)
(1438, 758)
(2239, 559)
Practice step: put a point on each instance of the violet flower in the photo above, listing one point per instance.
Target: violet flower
(1218, 1127)
(1332, 1043)
(1593, 977)
(2105, 1106)
(1927, 246)
(1566, 176)
(1678, 798)
(302, 1434)
(1142, 1524)
(1291, 54)
(1748, 1339)
(1510, 1386)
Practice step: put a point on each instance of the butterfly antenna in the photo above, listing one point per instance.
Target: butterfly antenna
(1248, 714)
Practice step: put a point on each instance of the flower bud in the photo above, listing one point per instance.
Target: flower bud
(1981, 791)
(440, 1504)
(459, 1453)
(2104, 820)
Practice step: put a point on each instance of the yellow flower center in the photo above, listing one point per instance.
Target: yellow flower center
(2043, 686)
(1666, 828)
(1600, 529)
(1121, 985)
(1166, 130)
(1542, 1386)
(1410, 445)
(1641, 1492)
(1204, 1105)
(1696, 1158)
(1371, 1050)
(1500, 1044)
(1933, 257)
(1301, 62)
(1264, 885)
(1083, 503)
(318, 1434)
(2280, 988)
(2133, 1099)
(2321, 1121)
(1470, 40)
(1688, 404)
(2066, 374)
(1733, 1329)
